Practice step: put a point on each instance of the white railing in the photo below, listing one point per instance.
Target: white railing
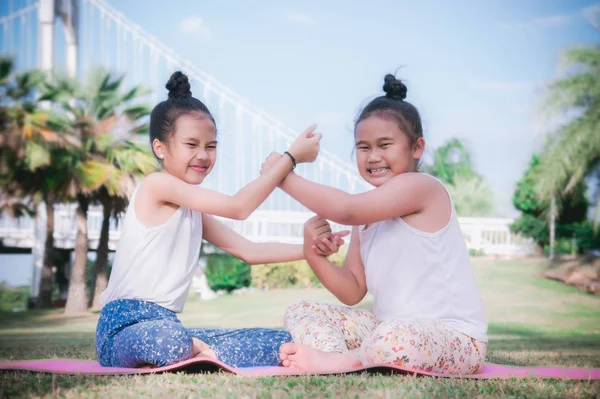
(489, 236)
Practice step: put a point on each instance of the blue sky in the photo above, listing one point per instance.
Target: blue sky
(475, 69)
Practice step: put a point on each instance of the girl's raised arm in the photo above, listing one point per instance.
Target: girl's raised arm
(402, 195)
(165, 188)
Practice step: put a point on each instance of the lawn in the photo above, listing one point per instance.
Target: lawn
(533, 321)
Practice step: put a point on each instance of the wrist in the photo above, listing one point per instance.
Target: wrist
(292, 158)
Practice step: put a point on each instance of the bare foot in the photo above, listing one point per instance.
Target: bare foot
(201, 349)
(312, 360)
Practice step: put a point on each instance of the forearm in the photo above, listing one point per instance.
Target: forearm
(256, 192)
(270, 252)
(338, 280)
(327, 202)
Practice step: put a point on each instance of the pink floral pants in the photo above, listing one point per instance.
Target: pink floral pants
(426, 345)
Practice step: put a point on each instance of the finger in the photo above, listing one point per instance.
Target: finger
(318, 239)
(319, 252)
(319, 223)
(321, 246)
(331, 246)
(325, 229)
(309, 132)
(314, 219)
(342, 233)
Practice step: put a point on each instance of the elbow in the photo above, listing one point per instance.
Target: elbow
(246, 257)
(345, 219)
(353, 298)
(344, 216)
(344, 212)
(349, 301)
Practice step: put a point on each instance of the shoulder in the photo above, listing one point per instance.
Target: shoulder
(159, 183)
(416, 182)
(157, 179)
(152, 187)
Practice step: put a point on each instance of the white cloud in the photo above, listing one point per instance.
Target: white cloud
(503, 87)
(299, 18)
(195, 26)
(548, 21)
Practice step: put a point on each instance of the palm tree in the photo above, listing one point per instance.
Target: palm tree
(104, 166)
(131, 161)
(33, 159)
(572, 152)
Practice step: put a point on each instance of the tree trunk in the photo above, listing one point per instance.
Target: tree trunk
(77, 299)
(100, 279)
(44, 299)
(552, 226)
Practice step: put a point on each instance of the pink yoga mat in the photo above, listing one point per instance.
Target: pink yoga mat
(70, 366)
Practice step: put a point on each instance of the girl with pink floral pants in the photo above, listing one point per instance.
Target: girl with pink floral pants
(406, 249)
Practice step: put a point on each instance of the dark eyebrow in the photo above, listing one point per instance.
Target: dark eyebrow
(212, 142)
(360, 142)
(191, 139)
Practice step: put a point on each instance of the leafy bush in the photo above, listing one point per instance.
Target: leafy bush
(225, 272)
(13, 297)
(290, 274)
(570, 221)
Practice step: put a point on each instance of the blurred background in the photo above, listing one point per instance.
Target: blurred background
(508, 92)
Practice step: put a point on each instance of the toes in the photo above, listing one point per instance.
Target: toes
(288, 348)
(283, 356)
(286, 363)
(294, 366)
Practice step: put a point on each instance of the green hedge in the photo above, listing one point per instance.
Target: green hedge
(290, 274)
(225, 272)
(13, 298)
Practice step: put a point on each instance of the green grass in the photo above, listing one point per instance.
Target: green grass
(532, 322)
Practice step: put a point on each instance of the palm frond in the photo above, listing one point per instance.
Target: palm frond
(572, 149)
(92, 174)
(137, 91)
(36, 155)
(137, 112)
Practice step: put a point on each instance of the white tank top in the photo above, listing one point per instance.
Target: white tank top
(414, 275)
(156, 263)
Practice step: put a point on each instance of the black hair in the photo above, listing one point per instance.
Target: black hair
(392, 106)
(179, 102)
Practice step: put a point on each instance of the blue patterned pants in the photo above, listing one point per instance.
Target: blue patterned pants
(134, 333)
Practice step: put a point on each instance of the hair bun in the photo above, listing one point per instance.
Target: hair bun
(394, 88)
(178, 85)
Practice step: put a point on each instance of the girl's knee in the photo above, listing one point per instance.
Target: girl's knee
(158, 343)
(297, 310)
(302, 305)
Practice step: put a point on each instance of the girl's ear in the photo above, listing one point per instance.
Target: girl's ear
(418, 148)
(159, 148)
